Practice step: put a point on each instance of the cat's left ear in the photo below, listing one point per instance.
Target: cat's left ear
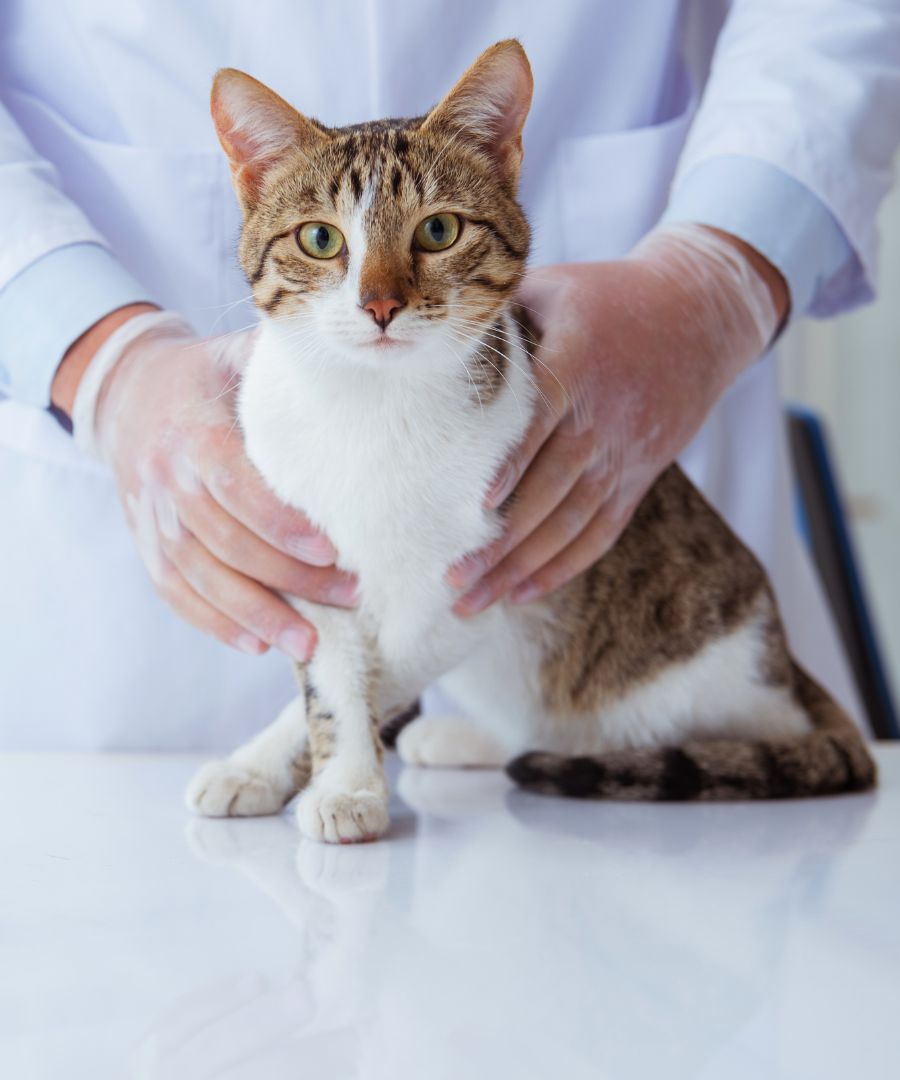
(256, 128)
(489, 105)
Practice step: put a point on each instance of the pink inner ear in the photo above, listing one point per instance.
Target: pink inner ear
(509, 121)
(503, 98)
(243, 153)
(254, 127)
(248, 130)
(231, 142)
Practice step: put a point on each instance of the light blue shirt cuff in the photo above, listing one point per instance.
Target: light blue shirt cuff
(49, 305)
(775, 214)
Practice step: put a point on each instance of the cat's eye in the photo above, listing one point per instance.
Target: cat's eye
(320, 240)
(438, 232)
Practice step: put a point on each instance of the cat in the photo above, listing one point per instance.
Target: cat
(391, 377)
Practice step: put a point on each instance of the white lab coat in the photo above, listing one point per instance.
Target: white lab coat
(108, 138)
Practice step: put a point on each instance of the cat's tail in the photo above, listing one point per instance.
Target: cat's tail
(829, 760)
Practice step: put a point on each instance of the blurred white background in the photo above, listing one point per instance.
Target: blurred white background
(848, 370)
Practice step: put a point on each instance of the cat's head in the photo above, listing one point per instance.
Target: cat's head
(378, 239)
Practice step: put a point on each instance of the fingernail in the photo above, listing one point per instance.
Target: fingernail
(316, 550)
(344, 594)
(521, 594)
(473, 601)
(496, 493)
(466, 572)
(249, 644)
(297, 642)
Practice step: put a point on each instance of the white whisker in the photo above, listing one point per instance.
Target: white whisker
(479, 338)
(465, 368)
(535, 358)
(496, 368)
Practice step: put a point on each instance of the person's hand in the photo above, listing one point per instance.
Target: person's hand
(217, 543)
(634, 355)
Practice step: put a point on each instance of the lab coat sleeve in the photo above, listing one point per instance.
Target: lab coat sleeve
(49, 305)
(777, 216)
(811, 89)
(56, 276)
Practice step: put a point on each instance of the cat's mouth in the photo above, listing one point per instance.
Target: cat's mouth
(383, 341)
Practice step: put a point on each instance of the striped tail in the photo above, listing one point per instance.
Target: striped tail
(830, 760)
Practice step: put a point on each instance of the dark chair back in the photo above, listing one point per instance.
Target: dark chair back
(826, 529)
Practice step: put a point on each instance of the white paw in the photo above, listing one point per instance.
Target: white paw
(342, 817)
(223, 789)
(448, 742)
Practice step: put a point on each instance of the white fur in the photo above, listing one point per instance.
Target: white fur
(391, 458)
(389, 452)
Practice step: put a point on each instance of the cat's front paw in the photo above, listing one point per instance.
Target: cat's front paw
(223, 789)
(342, 817)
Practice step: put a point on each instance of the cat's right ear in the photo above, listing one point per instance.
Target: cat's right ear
(489, 106)
(255, 127)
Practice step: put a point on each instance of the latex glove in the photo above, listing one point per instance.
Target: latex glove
(157, 404)
(635, 353)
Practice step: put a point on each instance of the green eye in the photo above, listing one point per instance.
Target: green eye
(320, 240)
(438, 232)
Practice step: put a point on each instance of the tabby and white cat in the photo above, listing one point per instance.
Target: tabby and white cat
(390, 380)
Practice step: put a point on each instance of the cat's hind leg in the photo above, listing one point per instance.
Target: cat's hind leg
(450, 742)
(261, 776)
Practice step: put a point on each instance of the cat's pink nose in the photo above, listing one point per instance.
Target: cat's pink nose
(383, 310)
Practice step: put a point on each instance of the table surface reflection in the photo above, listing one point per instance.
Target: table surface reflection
(493, 934)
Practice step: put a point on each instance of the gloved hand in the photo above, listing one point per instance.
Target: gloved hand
(157, 404)
(635, 353)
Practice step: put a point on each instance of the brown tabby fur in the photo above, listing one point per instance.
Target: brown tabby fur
(677, 579)
(414, 171)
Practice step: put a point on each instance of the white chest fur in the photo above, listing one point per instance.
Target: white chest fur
(391, 465)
